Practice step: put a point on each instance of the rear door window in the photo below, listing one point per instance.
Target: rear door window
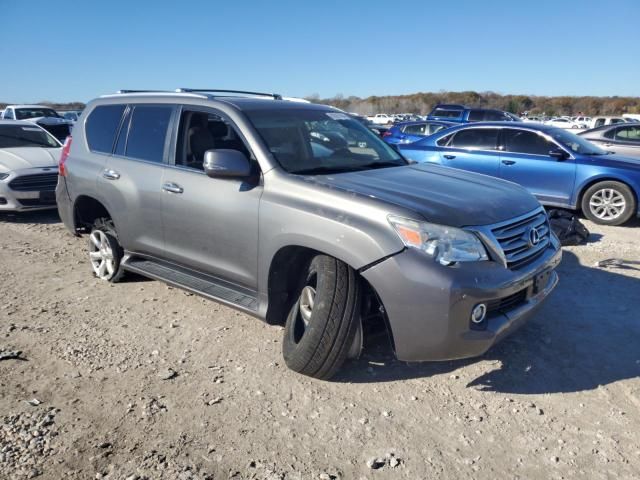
(628, 134)
(102, 126)
(476, 139)
(494, 116)
(527, 142)
(476, 115)
(417, 129)
(148, 132)
(447, 113)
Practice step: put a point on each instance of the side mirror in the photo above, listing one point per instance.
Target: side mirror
(558, 154)
(226, 164)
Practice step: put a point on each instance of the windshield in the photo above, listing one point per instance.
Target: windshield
(306, 141)
(12, 136)
(25, 113)
(575, 143)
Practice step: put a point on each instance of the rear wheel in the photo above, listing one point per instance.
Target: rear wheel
(608, 203)
(105, 253)
(323, 324)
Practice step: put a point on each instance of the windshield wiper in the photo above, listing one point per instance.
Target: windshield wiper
(321, 170)
(326, 169)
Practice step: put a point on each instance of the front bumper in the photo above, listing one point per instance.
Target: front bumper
(429, 306)
(12, 200)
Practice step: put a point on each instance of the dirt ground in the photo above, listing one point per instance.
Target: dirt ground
(139, 380)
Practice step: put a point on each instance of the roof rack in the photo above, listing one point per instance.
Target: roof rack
(144, 91)
(275, 96)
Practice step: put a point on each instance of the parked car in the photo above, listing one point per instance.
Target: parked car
(233, 199)
(379, 130)
(71, 115)
(601, 121)
(45, 117)
(620, 138)
(463, 114)
(583, 121)
(409, 132)
(561, 122)
(381, 119)
(561, 169)
(631, 117)
(28, 166)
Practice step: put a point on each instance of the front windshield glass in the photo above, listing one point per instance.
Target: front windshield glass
(25, 113)
(575, 143)
(306, 141)
(13, 136)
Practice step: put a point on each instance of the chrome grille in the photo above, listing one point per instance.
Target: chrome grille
(515, 238)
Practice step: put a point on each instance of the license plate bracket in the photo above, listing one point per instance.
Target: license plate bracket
(47, 197)
(540, 281)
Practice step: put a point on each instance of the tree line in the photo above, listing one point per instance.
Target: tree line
(422, 103)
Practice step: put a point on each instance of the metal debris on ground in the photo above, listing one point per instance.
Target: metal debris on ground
(10, 355)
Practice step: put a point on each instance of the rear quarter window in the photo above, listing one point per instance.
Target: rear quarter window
(101, 127)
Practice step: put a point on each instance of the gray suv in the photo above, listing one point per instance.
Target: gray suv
(299, 215)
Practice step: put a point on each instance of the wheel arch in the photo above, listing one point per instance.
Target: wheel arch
(283, 276)
(604, 178)
(86, 209)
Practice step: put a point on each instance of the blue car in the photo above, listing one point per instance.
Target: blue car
(463, 114)
(408, 132)
(561, 169)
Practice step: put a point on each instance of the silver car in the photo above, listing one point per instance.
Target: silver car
(28, 166)
(621, 138)
(299, 215)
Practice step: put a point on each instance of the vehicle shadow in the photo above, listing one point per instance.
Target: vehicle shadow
(587, 334)
(39, 216)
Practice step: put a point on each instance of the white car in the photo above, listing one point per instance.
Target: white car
(584, 121)
(41, 115)
(563, 123)
(603, 120)
(28, 166)
(381, 119)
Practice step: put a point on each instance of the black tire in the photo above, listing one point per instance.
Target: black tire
(106, 226)
(319, 349)
(617, 187)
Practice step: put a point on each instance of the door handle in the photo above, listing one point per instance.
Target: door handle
(508, 162)
(449, 157)
(110, 174)
(608, 144)
(172, 188)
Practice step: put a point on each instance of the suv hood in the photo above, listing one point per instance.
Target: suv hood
(28, 157)
(442, 195)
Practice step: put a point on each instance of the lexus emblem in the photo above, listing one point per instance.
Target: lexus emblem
(534, 237)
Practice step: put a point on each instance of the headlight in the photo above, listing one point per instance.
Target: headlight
(3, 176)
(446, 245)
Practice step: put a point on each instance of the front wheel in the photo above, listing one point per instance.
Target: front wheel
(323, 323)
(608, 203)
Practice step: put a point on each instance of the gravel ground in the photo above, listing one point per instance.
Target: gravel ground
(142, 381)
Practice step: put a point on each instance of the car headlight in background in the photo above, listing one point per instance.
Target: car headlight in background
(446, 245)
(3, 176)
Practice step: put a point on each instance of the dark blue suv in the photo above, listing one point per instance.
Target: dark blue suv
(463, 114)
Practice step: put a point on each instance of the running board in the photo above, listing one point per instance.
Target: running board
(195, 282)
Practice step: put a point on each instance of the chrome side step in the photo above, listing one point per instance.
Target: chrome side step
(195, 282)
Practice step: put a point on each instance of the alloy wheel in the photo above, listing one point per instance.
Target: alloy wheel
(101, 255)
(607, 204)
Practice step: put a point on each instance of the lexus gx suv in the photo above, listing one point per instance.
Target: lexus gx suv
(299, 215)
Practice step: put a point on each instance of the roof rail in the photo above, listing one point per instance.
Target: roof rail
(144, 91)
(275, 96)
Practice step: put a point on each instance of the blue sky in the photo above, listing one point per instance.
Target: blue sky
(76, 50)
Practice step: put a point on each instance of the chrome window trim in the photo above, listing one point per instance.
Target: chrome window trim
(500, 148)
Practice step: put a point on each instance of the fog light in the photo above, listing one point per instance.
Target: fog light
(3, 201)
(478, 313)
